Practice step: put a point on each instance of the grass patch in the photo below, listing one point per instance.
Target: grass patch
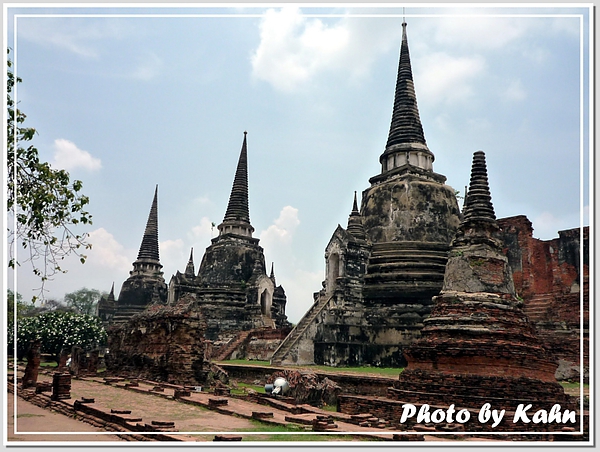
(382, 371)
(572, 385)
(245, 362)
(257, 388)
(286, 433)
(48, 364)
(331, 408)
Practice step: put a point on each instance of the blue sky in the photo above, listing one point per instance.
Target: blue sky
(125, 103)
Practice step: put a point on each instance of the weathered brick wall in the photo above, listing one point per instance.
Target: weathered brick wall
(261, 344)
(162, 344)
(548, 276)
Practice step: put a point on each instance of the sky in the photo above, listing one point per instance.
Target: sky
(125, 99)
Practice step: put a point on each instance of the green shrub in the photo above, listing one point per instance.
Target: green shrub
(57, 330)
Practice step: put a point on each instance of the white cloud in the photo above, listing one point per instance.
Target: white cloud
(68, 156)
(71, 34)
(299, 284)
(282, 230)
(108, 252)
(295, 49)
(481, 32)
(201, 234)
(172, 256)
(446, 78)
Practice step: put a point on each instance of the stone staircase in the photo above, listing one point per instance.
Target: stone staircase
(124, 314)
(298, 331)
(536, 309)
(226, 351)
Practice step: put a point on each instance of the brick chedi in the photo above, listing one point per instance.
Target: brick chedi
(233, 290)
(377, 294)
(145, 285)
(477, 346)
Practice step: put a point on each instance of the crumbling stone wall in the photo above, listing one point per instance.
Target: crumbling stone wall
(548, 276)
(261, 344)
(164, 343)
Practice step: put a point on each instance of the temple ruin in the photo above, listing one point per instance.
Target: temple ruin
(384, 268)
(232, 293)
(233, 290)
(145, 285)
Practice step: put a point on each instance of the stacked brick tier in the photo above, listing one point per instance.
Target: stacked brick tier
(480, 334)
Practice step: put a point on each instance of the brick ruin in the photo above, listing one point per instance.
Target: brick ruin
(232, 292)
(164, 343)
(552, 278)
(383, 269)
(33, 364)
(477, 346)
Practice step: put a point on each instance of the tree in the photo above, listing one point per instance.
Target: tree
(46, 205)
(49, 305)
(83, 301)
(16, 302)
(57, 330)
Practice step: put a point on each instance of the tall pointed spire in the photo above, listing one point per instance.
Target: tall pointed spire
(237, 216)
(479, 223)
(272, 276)
(406, 124)
(189, 269)
(237, 209)
(149, 246)
(355, 225)
(406, 141)
(111, 295)
(478, 202)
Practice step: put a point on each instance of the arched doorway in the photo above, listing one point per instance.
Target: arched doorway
(265, 303)
(333, 270)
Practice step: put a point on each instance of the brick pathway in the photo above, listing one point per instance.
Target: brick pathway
(192, 415)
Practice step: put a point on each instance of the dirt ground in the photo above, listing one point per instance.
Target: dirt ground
(35, 424)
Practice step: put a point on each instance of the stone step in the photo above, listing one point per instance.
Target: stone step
(299, 330)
